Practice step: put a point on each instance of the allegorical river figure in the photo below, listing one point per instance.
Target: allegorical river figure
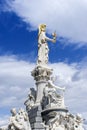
(19, 121)
(43, 49)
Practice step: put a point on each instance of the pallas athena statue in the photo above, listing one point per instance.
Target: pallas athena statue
(43, 49)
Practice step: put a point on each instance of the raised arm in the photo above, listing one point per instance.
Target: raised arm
(52, 39)
(54, 86)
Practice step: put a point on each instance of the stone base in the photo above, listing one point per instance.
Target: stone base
(48, 114)
(55, 106)
(35, 118)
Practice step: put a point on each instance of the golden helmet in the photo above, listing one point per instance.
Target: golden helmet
(41, 27)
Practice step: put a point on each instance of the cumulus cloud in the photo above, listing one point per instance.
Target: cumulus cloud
(4, 121)
(67, 17)
(16, 79)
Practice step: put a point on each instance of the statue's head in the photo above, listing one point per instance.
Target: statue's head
(13, 111)
(21, 111)
(42, 28)
(79, 116)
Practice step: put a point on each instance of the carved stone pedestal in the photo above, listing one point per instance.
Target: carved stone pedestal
(35, 118)
(50, 114)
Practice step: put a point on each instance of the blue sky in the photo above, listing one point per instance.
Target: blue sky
(18, 49)
(15, 38)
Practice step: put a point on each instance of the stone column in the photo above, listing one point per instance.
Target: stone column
(41, 75)
(40, 87)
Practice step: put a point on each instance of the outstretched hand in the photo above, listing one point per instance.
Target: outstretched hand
(54, 40)
(54, 37)
(54, 34)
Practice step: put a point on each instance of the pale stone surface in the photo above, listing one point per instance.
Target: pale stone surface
(19, 121)
(43, 49)
(64, 122)
(30, 102)
(41, 75)
(36, 118)
(53, 99)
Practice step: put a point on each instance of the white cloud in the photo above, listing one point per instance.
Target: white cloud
(4, 121)
(16, 79)
(67, 17)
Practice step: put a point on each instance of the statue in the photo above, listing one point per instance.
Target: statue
(30, 102)
(78, 122)
(55, 123)
(50, 91)
(24, 119)
(19, 121)
(12, 124)
(59, 122)
(42, 45)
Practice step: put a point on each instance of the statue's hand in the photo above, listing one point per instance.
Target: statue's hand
(54, 35)
(54, 40)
